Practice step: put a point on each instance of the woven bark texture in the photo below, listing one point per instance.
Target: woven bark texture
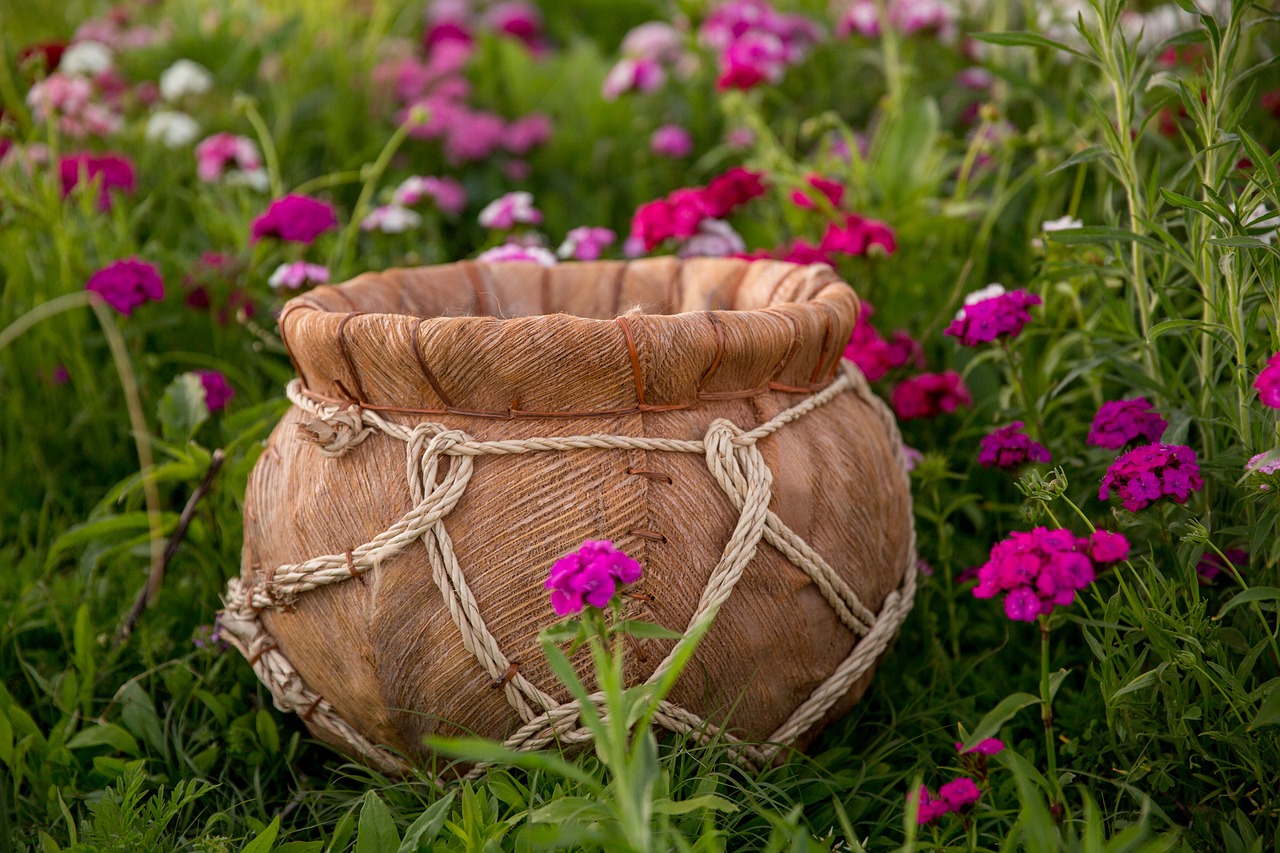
(651, 348)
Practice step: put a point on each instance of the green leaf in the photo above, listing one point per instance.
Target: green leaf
(105, 734)
(182, 409)
(1269, 711)
(645, 630)
(111, 527)
(693, 804)
(427, 826)
(1103, 234)
(1025, 39)
(377, 831)
(268, 734)
(561, 632)
(475, 749)
(998, 716)
(300, 847)
(1085, 155)
(1180, 200)
(265, 841)
(1143, 681)
(6, 740)
(342, 832)
(1257, 593)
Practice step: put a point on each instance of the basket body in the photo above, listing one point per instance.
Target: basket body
(513, 352)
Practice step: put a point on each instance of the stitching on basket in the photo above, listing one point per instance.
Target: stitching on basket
(635, 358)
(426, 371)
(715, 363)
(346, 357)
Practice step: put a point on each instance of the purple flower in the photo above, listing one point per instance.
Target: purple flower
(114, 170)
(990, 746)
(589, 576)
(1121, 422)
(295, 219)
(991, 313)
(295, 275)
(1009, 447)
(509, 210)
(1038, 570)
(1268, 383)
(586, 243)
(1147, 473)
(448, 195)
(929, 809)
(125, 285)
(217, 390)
(959, 793)
(671, 140)
(1107, 547)
(1211, 565)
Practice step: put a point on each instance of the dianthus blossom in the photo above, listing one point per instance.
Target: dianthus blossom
(929, 395)
(1121, 422)
(1148, 473)
(296, 219)
(509, 210)
(682, 211)
(586, 243)
(996, 313)
(589, 576)
(295, 275)
(1268, 383)
(989, 746)
(448, 195)
(876, 356)
(172, 129)
(857, 236)
(671, 140)
(1264, 464)
(633, 74)
(735, 187)
(216, 153)
(126, 284)
(1211, 565)
(755, 42)
(115, 172)
(517, 252)
(1036, 570)
(1108, 547)
(183, 78)
(1009, 447)
(526, 133)
(715, 238)
(390, 219)
(832, 190)
(217, 390)
(952, 797)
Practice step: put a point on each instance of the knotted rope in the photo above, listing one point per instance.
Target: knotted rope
(734, 461)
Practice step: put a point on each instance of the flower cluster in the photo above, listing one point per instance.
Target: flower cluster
(755, 43)
(126, 284)
(906, 16)
(955, 796)
(1148, 473)
(589, 576)
(295, 219)
(1268, 383)
(448, 195)
(1010, 447)
(647, 52)
(75, 103)
(1040, 569)
(682, 211)
(1122, 422)
(990, 313)
(876, 356)
(855, 236)
(929, 395)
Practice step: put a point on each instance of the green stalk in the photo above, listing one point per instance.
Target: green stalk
(1046, 710)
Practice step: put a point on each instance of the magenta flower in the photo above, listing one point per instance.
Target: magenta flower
(517, 252)
(856, 237)
(447, 194)
(217, 153)
(876, 356)
(929, 395)
(994, 314)
(1009, 447)
(586, 243)
(990, 746)
(1264, 464)
(728, 191)
(295, 219)
(1268, 383)
(929, 809)
(114, 170)
(633, 74)
(671, 140)
(217, 390)
(509, 210)
(1037, 570)
(1148, 473)
(126, 284)
(525, 134)
(1107, 547)
(959, 793)
(1211, 565)
(1121, 422)
(832, 190)
(589, 576)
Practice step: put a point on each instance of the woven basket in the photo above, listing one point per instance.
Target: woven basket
(458, 428)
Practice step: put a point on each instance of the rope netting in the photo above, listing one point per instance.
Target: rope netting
(733, 459)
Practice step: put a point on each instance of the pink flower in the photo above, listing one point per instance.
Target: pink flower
(915, 16)
(222, 150)
(448, 195)
(295, 219)
(959, 793)
(517, 252)
(857, 236)
(586, 243)
(1037, 570)
(525, 134)
(472, 136)
(1107, 547)
(731, 189)
(929, 395)
(655, 40)
(295, 275)
(995, 313)
(517, 19)
(671, 140)
(126, 284)
(114, 170)
(990, 746)
(509, 210)
(1268, 383)
(1261, 464)
(638, 74)
(861, 17)
(1148, 473)
(390, 219)
(217, 391)
(715, 238)
(1010, 447)
(1121, 422)
(1211, 565)
(929, 809)
(589, 576)
(832, 190)
(876, 356)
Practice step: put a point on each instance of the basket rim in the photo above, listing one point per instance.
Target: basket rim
(348, 349)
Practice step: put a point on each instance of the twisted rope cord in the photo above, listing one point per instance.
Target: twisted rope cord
(733, 460)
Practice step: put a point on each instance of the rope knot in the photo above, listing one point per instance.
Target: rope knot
(335, 430)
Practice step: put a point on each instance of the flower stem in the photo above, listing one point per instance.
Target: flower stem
(1046, 710)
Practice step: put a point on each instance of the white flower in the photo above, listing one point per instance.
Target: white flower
(172, 129)
(86, 58)
(185, 77)
(509, 210)
(295, 275)
(1062, 224)
(391, 219)
(255, 179)
(515, 252)
(991, 291)
(715, 239)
